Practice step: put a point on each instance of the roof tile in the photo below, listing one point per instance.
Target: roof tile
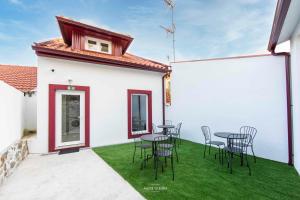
(59, 45)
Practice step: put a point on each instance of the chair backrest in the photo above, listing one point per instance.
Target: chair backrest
(238, 142)
(137, 140)
(154, 129)
(178, 127)
(206, 133)
(249, 130)
(168, 122)
(162, 144)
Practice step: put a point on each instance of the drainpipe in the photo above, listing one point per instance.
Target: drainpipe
(289, 102)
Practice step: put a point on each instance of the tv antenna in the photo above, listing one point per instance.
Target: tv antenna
(171, 30)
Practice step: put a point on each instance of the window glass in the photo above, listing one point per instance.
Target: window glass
(92, 42)
(104, 47)
(99, 45)
(139, 113)
(70, 118)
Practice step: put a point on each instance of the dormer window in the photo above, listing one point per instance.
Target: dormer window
(95, 44)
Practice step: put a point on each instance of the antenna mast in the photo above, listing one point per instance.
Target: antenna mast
(171, 30)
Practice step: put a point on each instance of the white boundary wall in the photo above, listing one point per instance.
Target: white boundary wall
(11, 115)
(226, 94)
(30, 112)
(295, 74)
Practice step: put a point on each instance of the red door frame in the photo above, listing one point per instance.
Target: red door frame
(52, 91)
(130, 92)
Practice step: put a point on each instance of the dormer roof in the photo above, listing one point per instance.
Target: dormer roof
(67, 26)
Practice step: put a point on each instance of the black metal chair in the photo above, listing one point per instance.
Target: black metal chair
(138, 143)
(237, 145)
(175, 132)
(252, 132)
(171, 144)
(154, 129)
(168, 122)
(208, 141)
(163, 149)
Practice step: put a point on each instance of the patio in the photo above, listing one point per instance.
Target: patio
(75, 176)
(199, 178)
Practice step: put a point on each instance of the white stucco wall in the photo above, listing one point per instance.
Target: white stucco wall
(226, 94)
(108, 97)
(295, 74)
(30, 112)
(11, 115)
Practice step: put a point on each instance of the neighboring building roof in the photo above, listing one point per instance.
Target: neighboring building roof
(22, 78)
(286, 18)
(57, 48)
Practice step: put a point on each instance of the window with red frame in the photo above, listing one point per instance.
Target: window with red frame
(139, 112)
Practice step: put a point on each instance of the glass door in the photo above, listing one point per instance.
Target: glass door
(69, 118)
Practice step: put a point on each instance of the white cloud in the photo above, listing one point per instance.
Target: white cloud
(16, 2)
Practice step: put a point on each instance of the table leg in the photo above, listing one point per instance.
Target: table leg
(165, 131)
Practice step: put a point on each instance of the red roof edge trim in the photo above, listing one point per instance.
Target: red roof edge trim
(280, 15)
(40, 51)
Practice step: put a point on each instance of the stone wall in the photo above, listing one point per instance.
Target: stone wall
(11, 158)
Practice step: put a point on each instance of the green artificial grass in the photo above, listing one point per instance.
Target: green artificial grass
(199, 178)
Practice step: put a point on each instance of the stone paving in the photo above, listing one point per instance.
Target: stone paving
(76, 176)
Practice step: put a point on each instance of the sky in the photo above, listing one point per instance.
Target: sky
(204, 28)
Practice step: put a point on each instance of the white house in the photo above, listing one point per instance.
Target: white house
(91, 92)
(286, 27)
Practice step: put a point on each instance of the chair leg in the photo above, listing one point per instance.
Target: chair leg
(172, 167)
(248, 165)
(176, 151)
(179, 139)
(222, 156)
(133, 154)
(156, 166)
(154, 162)
(219, 155)
(231, 156)
(254, 157)
(227, 159)
(242, 159)
(145, 160)
(204, 151)
(209, 149)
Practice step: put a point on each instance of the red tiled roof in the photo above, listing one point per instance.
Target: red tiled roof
(22, 78)
(57, 46)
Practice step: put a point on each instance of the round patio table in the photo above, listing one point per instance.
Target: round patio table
(165, 128)
(227, 135)
(151, 138)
